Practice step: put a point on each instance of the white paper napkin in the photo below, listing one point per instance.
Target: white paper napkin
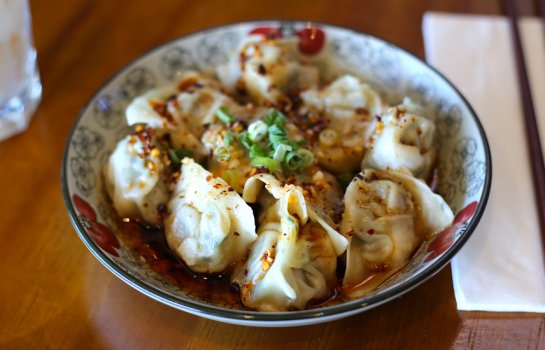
(501, 268)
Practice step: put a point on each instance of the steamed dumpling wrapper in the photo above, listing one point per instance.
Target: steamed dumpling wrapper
(209, 225)
(322, 191)
(348, 108)
(266, 69)
(253, 193)
(387, 214)
(402, 140)
(295, 257)
(344, 98)
(134, 178)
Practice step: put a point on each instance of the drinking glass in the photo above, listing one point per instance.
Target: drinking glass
(20, 86)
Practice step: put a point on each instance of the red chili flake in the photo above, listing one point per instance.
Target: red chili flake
(236, 233)
(284, 104)
(240, 87)
(209, 177)
(242, 59)
(173, 100)
(370, 231)
(186, 84)
(161, 109)
(361, 110)
(262, 170)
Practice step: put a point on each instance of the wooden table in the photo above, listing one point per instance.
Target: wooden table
(55, 294)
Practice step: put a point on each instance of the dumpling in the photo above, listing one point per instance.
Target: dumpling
(402, 140)
(345, 97)
(209, 225)
(182, 110)
(134, 178)
(295, 257)
(322, 192)
(266, 69)
(253, 192)
(341, 116)
(387, 214)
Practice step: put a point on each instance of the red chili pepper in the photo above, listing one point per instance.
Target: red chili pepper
(311, 40)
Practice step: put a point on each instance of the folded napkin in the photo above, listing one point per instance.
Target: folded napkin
(501, 268)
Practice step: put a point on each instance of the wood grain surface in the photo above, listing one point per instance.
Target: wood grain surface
(55, 294)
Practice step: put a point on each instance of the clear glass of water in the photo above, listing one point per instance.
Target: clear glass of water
(20, 86)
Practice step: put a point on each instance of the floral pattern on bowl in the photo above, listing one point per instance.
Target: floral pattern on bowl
(464, 157)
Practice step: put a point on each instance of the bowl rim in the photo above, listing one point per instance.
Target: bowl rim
(251, 317)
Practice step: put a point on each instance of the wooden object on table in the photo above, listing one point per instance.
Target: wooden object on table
(55, 294)
(530, 121)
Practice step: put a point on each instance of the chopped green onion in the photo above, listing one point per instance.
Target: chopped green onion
(299, 159)
(244, 138)
(224, 116)
(268, 143)
(280, 152)
(228, 138)
(274, 117)
(257, 151)
(277, 135)
(177, 154)
(266, 162)
(257, 131)
(223, 153)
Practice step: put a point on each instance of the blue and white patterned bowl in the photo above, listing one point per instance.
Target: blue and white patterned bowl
(464, 160)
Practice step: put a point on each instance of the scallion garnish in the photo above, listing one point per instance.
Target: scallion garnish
(257, 131)
(266, 162)
(299, 159)
(228, 138)
(223, 153)
(267, 143)
(244, 138)
(224, 116)
(177, 154)
(280, 152)
(257, 151)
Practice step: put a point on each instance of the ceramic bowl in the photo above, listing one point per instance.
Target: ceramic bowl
(464, 160)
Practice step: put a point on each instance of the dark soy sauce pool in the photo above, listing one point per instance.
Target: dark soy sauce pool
(149, 242)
